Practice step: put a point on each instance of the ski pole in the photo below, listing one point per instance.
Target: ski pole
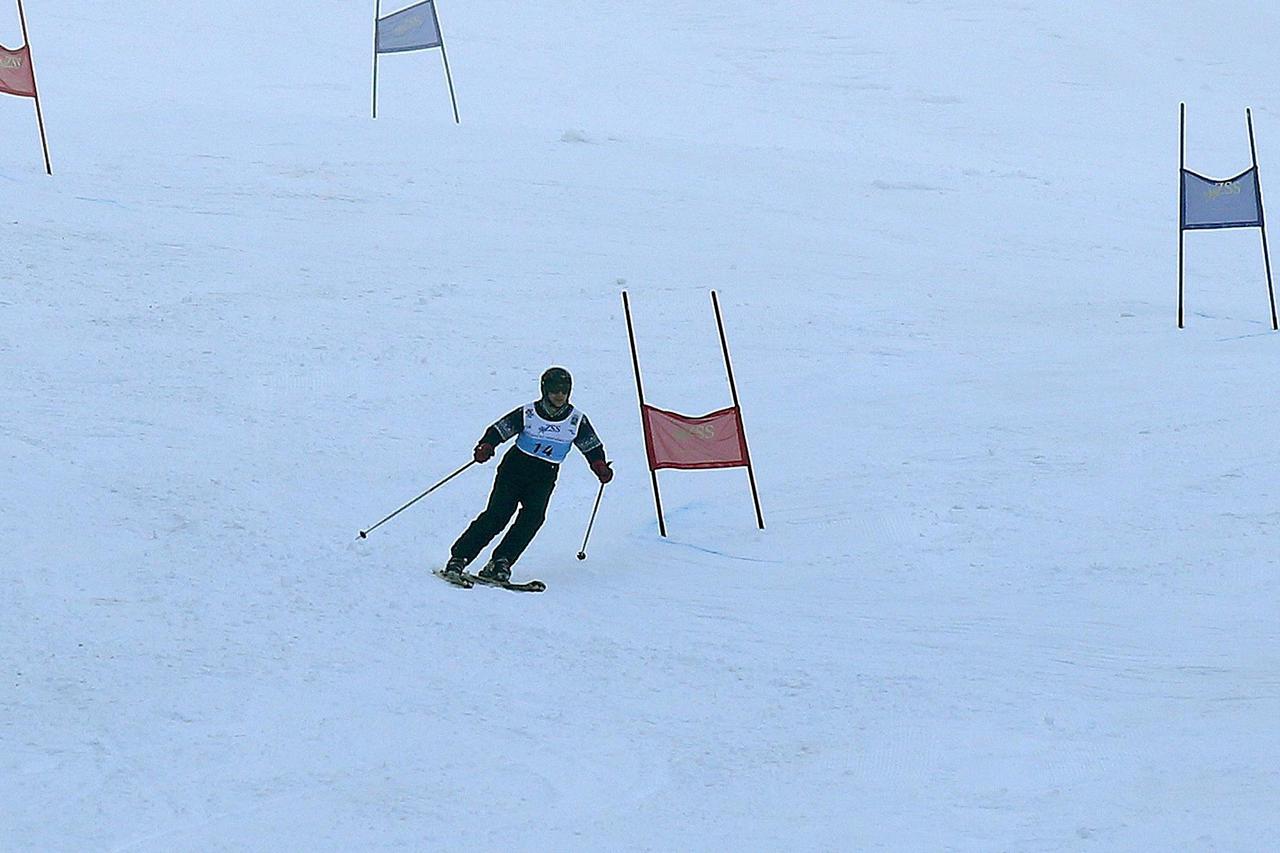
(364, 534)
(582, 555)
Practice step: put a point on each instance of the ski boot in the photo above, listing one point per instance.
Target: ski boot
(497, 570)
(455, 570)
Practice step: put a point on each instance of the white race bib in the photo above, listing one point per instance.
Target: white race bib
(550, 441)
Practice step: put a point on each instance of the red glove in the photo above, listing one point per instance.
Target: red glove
(483, 452)
(602, 470)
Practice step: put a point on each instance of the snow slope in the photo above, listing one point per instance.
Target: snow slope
(1017, 588)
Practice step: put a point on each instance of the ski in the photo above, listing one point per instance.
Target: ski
(527, 586)
(463, 581)
(468, 580)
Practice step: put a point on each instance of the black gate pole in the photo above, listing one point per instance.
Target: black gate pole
(1182, 197)
(1262, 220)
(377, 13)
(737, 408)
(644, 419)
(444, 56)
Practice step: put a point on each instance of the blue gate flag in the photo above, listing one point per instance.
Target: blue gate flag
(413, 28)
(1233, 203)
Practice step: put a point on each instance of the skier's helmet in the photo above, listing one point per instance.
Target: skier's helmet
(556, 379)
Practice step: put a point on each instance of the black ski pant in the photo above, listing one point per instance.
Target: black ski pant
(521, 481)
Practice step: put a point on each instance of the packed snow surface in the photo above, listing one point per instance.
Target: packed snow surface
(1018, 584)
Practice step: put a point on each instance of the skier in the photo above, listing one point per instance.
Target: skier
(546, 430)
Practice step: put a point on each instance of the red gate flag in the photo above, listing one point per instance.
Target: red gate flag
(16, 77)
(714, 440)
